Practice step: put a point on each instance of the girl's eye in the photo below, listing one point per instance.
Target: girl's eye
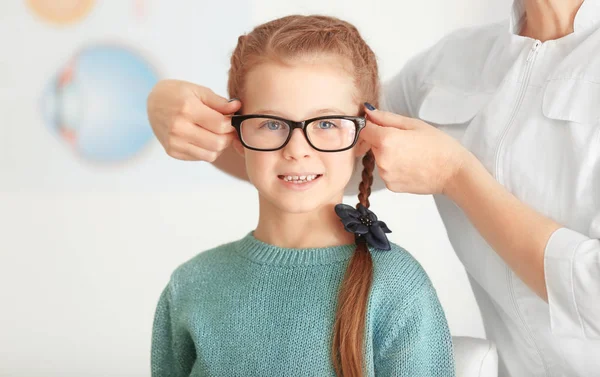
(272, 125)
(325, 125)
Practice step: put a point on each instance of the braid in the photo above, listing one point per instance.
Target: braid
(349, 326)
(364, 188)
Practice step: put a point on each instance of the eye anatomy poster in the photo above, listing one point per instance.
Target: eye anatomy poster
(80, 72)
(96, 103)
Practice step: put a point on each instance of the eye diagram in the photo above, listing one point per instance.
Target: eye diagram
(61, 11)
(96, 103)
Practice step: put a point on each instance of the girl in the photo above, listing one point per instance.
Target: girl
(316, 289)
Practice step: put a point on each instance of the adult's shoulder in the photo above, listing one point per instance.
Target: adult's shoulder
(461, 60)
(475, 34)
(462, 48)
(472, 41)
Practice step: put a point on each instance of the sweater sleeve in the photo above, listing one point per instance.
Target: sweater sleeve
(173, 352)
(417, 341)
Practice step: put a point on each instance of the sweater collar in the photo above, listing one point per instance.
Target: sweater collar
(263, 253)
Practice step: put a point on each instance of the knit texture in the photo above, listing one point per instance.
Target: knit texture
(247, 308)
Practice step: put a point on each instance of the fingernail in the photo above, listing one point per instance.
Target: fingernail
(369, 106)
(233, 99)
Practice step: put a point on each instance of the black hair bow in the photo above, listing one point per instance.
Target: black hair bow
(363, 223)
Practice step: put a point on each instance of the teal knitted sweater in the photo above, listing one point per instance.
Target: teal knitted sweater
(248, 308)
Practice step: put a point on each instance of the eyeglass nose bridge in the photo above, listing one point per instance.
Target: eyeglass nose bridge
(293, 125)
(297, 125)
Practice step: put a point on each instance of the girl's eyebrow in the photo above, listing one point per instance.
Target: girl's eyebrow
(269, 112)
(329, 111)
(332, 111)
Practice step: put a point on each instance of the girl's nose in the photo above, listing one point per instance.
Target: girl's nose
(298, 146)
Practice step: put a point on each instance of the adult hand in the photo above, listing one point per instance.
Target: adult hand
(190, 121)
(411, 155)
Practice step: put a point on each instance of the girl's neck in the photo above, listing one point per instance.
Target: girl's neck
(319, 228)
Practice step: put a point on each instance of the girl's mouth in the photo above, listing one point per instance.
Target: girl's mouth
(299, 179)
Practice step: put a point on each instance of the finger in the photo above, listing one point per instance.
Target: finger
(209, 119)
(373, 135)
(190, 152)
(220, 104)
(203, 138)
(387, 119)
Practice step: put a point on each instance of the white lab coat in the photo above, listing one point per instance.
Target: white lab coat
(530, 112)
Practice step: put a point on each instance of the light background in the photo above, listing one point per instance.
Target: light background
(86, 247)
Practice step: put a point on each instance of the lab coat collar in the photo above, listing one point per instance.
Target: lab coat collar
(587, 15)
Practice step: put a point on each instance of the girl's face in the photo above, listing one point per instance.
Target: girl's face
(298, 92)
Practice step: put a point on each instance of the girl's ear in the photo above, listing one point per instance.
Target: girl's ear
(239, 148)
(361, 148)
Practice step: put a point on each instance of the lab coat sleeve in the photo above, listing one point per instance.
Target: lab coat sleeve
(572, 271)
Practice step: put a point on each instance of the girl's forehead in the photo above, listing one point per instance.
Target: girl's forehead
(300, 87)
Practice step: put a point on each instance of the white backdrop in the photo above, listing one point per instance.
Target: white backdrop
(87, 246)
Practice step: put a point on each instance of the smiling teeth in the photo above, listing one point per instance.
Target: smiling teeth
(299, 179)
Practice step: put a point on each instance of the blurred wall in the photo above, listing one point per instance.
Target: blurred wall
(94, 216)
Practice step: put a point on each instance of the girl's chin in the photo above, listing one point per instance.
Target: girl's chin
(297, 208)
(295, 205)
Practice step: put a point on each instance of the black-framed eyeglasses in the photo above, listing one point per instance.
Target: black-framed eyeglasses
(330, 133)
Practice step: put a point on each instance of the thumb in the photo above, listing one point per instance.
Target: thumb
(220, 104)
(387, 119)
(373, 134)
